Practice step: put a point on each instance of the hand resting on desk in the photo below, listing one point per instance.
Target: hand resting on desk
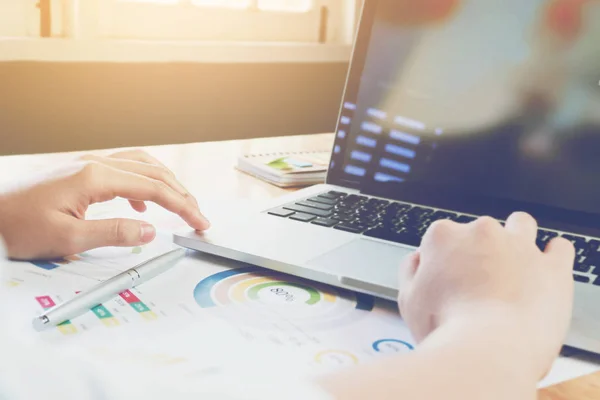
(47, 220)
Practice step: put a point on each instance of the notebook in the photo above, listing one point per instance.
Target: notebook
(287, 169)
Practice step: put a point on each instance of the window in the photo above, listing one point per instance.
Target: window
(223, 20)
(17, 18)
(178, 30)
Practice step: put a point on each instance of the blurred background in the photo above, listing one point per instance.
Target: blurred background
(90, 74)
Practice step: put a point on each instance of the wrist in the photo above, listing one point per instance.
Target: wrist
(494, 334)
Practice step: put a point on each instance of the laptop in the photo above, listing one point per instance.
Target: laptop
(451, 111)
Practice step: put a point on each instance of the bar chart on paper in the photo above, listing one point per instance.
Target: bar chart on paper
(125, 309)
(102, 264)
(40, 285)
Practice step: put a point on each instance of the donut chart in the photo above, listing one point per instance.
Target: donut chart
(392, 346)
(337, 358)
(280, 296)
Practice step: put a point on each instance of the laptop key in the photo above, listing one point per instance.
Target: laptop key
(323, 200)
(407, 238)
(376, 203)
(582, 251)
(308, 210)
(541, 244)
(585, 268)
(280, 212)
(594, 245)
(328, 196)
(302, 217)
(582, 266)
(315, 205)
(337, 194)
(465, 219)
(541, 234)
(579, 242)
(381, 233)
(395, 207)
(342, 217)
(350, 227)
(419, 212)
(443, 215)
(325, 222)
(593, 256)
(354, 198)
(582, 279)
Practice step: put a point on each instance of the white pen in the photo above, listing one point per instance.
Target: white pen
(107, 290)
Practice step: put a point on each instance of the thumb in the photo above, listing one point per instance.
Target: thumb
(115, 232)
(408, 269)
(406, 275)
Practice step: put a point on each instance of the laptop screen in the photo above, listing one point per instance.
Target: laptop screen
(492, 98)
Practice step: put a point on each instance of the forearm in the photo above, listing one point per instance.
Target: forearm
(461, 362)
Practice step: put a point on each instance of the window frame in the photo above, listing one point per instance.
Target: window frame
(187, 21)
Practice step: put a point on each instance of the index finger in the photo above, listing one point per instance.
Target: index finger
(522, 224)
(563, 252)
(107, 183)
(139, 155)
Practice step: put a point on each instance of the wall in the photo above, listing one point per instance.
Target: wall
(48, 106)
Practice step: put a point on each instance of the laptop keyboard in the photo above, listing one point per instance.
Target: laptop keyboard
(406, 224)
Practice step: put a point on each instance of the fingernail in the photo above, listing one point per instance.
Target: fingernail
(148, 233)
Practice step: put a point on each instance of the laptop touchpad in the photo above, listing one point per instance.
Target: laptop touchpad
(365, 260)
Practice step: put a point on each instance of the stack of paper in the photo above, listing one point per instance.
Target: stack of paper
(287, 169)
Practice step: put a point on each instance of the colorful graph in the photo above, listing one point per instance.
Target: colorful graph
(105, 316)
(337, 358)
(13, 283)
(103, 263)
(66, 328)
(50, 265)
(138, 305)
(305, 303)
(392, 346)
(47, 265)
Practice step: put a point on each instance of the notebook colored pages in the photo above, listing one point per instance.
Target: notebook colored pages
(287, 169)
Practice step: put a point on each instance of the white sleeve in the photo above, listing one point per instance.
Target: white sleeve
(28, 372)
